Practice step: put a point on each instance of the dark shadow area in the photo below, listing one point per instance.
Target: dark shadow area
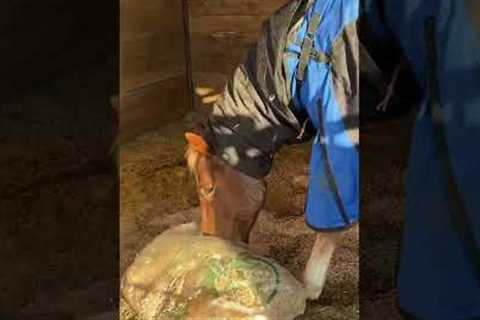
(42, 40)
(386, 56)
(438, 229)
(58, 178)
(385, 146)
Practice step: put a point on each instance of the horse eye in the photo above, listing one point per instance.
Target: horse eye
(206, 192)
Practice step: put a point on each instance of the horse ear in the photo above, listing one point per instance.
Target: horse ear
(197, 143)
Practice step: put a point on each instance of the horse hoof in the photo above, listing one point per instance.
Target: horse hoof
(313, 293)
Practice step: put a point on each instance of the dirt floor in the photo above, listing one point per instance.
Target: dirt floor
(58, 199)
(58, 190)
(155, 186)
(384, 155)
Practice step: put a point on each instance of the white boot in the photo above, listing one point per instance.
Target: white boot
(317, 266)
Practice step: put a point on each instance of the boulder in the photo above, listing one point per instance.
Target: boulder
(184, 275)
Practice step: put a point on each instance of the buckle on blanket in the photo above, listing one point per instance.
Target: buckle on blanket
(307, 47)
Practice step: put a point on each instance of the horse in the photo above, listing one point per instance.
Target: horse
(266, 105)
(230, 202)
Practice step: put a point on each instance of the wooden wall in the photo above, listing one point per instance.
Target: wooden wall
(153, 79)
(221, 31)
(153, 62)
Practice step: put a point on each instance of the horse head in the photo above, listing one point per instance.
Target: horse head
(229, 200)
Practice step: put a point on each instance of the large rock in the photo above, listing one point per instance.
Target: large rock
(183, 275)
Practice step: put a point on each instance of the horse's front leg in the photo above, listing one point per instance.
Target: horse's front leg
(315, 272)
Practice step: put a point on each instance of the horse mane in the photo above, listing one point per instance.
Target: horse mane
(192, 156)
(196, 147)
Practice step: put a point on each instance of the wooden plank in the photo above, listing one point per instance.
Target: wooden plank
(234, 23)
(230, 45)
(150, 58)
(221, 33)
(220, 41)
(219, 52)
(214, 65)
(152, 42)
(153, 105)
(234, 7)
(140, 16)
(216, 81)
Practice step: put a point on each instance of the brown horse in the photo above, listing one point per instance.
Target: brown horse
(230, 202)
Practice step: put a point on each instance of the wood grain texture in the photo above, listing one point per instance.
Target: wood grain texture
(139, 16)
(153, 105)
(221, 45)
(236, 23)
(152, 41)
(153, 75)
(219, 52)
(234, 7)
(221, 32)
(146, 59)
(153, 53)
(213, 65)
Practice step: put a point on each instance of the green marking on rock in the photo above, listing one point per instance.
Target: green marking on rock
(261, 273)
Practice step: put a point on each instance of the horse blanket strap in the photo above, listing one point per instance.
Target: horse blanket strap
(321, 57)
(307, 47)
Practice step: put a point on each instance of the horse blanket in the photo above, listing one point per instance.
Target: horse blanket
(299, 82)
